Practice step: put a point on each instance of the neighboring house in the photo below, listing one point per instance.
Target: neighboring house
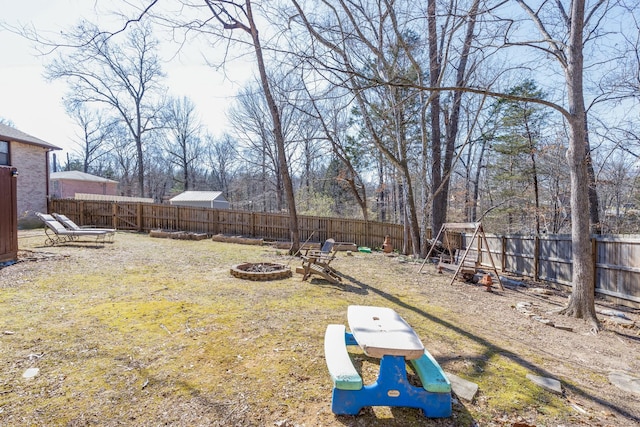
(65, 185)
(201, 199)
(30, 156)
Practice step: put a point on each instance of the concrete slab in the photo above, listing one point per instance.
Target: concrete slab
(625, 382)
(549, 384)
(462, 388)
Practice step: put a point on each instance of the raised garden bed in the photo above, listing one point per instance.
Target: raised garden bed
(237, 239)
(181, 235)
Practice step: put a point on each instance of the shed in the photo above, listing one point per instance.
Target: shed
(65, 185)
(200, 199)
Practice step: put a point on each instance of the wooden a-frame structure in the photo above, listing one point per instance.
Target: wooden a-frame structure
(478, 232)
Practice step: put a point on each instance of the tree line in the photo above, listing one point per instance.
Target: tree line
(520, 114)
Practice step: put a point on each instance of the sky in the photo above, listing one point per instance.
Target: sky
(35, 105)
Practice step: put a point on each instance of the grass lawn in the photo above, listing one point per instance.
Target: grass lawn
(147, 331)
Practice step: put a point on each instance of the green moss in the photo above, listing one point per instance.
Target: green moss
(504, 384)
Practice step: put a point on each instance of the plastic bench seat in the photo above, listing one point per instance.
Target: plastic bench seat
(431, 374)
(341, 369)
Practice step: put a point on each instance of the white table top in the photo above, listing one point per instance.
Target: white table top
(381, 331)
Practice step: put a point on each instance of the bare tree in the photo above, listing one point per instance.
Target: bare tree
(348, 55)
(240, 16)
(4, 121)
(123, 156)
(183, 143)
(96, 131)
(250, 119)
(123, 78)
(222, 161)
(443, 149)
(567, 46)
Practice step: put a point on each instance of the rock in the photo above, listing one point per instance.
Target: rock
(523, 305)
(30, 373)
(625, 382)
(549, 384)
(511, 283)
(462, 388)
(613, 313)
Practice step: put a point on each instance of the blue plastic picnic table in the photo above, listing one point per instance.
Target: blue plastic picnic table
(383, 334)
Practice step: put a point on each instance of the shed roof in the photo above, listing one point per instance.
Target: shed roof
(13, 134)
(78, 176)
(198, 196)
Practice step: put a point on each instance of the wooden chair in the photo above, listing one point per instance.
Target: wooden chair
(317, 262)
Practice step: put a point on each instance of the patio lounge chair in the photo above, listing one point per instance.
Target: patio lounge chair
(317, 262)
(70, 225)
(57, 233)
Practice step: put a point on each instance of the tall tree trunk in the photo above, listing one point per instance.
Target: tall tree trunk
(594, 205)
(440, 185)
(438, 199)
(140, 156)
(278, 135)
(581, 304)
(382, 191)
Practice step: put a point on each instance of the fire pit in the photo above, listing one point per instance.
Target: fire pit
(261, 271)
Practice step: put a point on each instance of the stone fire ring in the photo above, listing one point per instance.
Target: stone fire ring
(261, 271)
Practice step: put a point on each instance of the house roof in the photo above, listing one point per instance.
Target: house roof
(198, 196)
(13, 134)
(78, 176)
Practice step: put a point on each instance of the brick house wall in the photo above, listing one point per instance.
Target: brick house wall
(67, 188)
(32, 164)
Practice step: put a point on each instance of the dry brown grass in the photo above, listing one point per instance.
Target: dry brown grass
(155, 332)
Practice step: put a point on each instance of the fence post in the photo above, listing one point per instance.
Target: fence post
(82, 220)
(139, 219)
(536, 258)
(114, 212)
(504, 253)
(366, 232)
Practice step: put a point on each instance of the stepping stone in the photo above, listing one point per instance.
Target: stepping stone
(625, 382)
(30, 373)
(462, 388)
(511, 283)
(549, 384)
(613, 313)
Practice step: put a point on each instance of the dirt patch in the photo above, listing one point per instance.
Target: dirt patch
(157, 332)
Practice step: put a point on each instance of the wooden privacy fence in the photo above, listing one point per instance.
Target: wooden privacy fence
(269, 226)
(8, 215)
(617, 258)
